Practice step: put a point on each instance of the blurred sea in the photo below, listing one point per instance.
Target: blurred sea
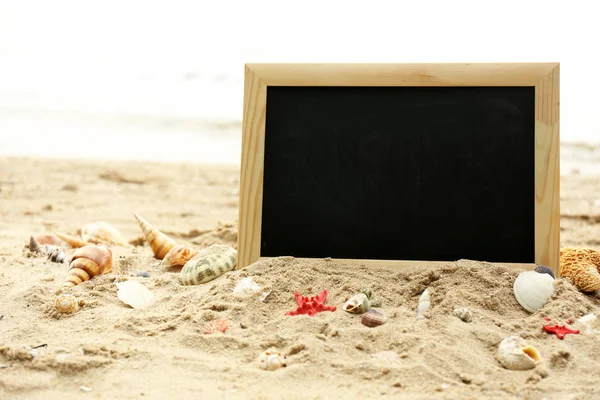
(163, 80)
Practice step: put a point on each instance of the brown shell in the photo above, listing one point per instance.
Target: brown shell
(581, 266)
(72, 241)
(48, 239)
(87, 262)
(373, 318)
(66, 303)
(102, 233)
(34, 247)
(160, 243)
(178, 256)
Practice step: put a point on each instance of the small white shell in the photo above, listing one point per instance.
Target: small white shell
(66, 304)
(423, 304)
(134, 294)
(357, 304)
(533, 289)
(515, 353)
(271, 360)
(246, 284)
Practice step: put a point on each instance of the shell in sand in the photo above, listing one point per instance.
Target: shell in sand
(134, 294)
(102, 233)
(357, 304)
(160, 243)
(516, 354)
(581, 266)
(178, 256)
(87, 262)
(73, 241)
(208, 264)
(532, 289)
(66, 304)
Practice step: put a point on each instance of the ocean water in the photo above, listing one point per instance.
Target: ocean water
(163, 80)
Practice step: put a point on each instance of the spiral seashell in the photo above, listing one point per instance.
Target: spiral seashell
(373, 318)
(66, 304)
(357, 304)
(34, 247)
(515, 353)
(102, 233)
(178, 256)
(581, 266)
(160, 243)
(72, 241)
(533, 289)
(56, 255)
(270, 360)
(208, 264)
(87, 262)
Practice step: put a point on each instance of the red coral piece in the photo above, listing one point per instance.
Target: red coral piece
(559, 330)
(311, 305)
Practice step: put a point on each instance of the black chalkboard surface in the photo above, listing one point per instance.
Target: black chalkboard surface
(410, 173)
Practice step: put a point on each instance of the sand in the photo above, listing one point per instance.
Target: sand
(108, 350)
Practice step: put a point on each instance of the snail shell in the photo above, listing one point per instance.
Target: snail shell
(87, 262)
(581, 266)
(271, 360)
(357, 304)
(72, 241)
(533, 289)
(56, 255)
(66, 303)
(34, 247)
(102, 233)
(373, 318)
(208, 264)
(178, 256)
(515, 353)
(160, 243)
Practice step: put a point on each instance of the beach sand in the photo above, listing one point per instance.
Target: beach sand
(107, 350)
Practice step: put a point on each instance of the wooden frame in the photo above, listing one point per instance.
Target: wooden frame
(543, 76)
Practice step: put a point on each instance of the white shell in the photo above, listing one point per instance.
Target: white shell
(590, 324)
(423, 304)
(134, 294)
(357, 304)
(515, 353)
(271, 360)
(533, 289)
(246, 284)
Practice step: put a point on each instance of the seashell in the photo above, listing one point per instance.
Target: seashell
(270, 360)
(246, 284)
(34, 247)
(102, 233)
(542, 269)
(373, 302)
(357, 304)
(48, 239)
(56, 255)
(72, 241)
(160, 243)
(533, 289)
(590, 322)
(515, 353)
(217, 325)
(389, 357)
(424, 302)
(178, 256)
(87, 262)
(581, 266)
(373, 318)
(463, 313)
(66, 303)
(134, 294)
(208, 264)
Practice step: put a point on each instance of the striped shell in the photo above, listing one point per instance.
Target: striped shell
(208, 264)
(87, 262)
(160, 243)
(66, 304)
(373, 318)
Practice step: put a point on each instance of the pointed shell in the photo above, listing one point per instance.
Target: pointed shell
(270, 360)
(102, 233)
(581, 266)
(357, 304)
(160, 243)
(134, 294)
(424, 302)
(34, 246)
(72, 241)
(533, 289)
(87, 262)
(208, 264)
(515, 353)
(66, 303)
(373, 318)
(178, 256)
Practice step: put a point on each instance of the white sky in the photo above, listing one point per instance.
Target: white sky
(97, 48)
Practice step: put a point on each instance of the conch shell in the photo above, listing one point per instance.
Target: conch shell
(373, 318)
(515, 353)
(66, 304)
(178, 256)
(533, 289)
(102, 233)
(87, 262)
(160, 243)
(72, 241)
(581, 266)
(357, 304)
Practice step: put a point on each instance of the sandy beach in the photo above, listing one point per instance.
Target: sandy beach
(109, 350)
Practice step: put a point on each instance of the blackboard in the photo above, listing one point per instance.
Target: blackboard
(397, 164)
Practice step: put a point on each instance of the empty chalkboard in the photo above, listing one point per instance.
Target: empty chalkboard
(386, 164)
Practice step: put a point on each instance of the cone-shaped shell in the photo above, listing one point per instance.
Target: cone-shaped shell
(178, 256)
(357, 304)
(160, 243)
(102, 233)
(72, 241)
(34, 247)
(208, 264)
(373, 318)
(533, 289)
(66, 303)
(514, 353)
(87, 262)
(581, 266)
